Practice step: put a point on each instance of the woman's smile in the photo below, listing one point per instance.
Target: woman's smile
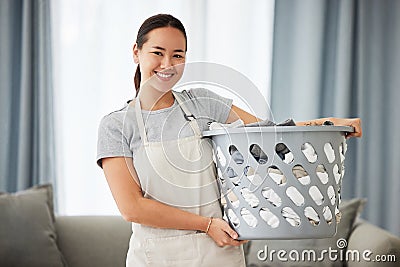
(164, 76)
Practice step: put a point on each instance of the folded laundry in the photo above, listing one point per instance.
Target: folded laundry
(309, 152)
(248, 217)
(239, 123)
(266, 123)
(269, 217)
(216, 125)
(236, 155)
(271, 196)
(233, 218)
(250, 198)
(258, 154)
(291, 216)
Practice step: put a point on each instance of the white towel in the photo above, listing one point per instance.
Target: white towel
(248, 217)
(309, 152)
(269, 217)
(291, 216)
(250, 198)
(216, 125)
(329, 152)
(271, 196)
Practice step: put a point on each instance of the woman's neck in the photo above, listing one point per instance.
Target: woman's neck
(155, 100)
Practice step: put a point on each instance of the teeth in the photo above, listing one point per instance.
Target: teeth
(164, 75)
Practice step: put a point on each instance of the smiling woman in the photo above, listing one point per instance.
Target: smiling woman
(167, 188)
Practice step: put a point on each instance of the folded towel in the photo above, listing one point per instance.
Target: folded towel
(216, 125)
(266, 123)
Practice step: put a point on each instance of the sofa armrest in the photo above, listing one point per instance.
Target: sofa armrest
(93, 240)
(366, 236)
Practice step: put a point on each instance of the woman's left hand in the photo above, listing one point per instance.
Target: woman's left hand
(355, 123)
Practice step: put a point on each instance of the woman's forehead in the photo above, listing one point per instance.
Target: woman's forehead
(168, 38)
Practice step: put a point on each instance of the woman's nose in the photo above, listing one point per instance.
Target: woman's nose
(166, 62)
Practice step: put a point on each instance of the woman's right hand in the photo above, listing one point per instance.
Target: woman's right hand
(223, 234)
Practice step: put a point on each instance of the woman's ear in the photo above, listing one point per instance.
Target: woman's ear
(135, 54)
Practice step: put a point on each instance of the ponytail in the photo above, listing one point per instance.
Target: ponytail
(137, 79)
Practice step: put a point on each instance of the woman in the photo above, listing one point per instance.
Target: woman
(158, 167)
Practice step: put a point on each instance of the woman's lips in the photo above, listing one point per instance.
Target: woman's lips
(164, 76)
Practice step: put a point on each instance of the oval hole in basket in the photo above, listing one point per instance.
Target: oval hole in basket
(220, 156)
(316, 195)
(233, 218)
(336, 173)
(284, 153)
(329, 152)
(331, 194)
(258, 154)
(309, 152)
(270, 218)
(250, 198)
(235, 179)
(271, 196)
(312, 216)
(291, 216)
(338, 215)
(248, 217)
(295, 196)
(342, 152)
(236, 156)
(233, 199)
(326, 211)
(221, 178)
(276, 175)
(322, 174)
(301, 174)
(253, 176)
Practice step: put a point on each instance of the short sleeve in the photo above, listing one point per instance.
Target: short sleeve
(112, 142)
(218, 107)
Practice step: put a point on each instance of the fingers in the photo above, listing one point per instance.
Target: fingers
(231, 232)
(223, 234)
(356, 124)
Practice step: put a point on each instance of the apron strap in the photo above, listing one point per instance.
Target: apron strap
(139, 119)
(188, 115)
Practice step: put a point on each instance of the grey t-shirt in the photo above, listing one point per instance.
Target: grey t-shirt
(118, 134)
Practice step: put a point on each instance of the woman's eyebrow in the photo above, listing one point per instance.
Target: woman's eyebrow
(163, 49)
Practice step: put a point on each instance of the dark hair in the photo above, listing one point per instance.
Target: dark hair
(155, 22)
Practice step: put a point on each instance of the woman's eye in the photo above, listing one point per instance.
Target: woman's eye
(178, 56)
(157, 53)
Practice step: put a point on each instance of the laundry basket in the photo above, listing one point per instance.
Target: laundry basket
(280, 182)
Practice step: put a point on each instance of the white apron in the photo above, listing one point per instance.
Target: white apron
(179, 173)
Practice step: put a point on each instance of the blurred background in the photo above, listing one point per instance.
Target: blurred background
(65, 64)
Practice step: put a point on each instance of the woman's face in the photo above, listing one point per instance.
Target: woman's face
(162, 57)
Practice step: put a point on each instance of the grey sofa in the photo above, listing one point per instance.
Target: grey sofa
(102, 241)
(31, 235)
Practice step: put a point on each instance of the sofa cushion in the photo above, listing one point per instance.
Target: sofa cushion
(27, 232)
(100, 241)
(350, 211)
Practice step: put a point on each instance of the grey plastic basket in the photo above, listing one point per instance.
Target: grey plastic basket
(280, 182)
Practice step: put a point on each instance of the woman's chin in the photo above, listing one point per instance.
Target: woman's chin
(161, 84)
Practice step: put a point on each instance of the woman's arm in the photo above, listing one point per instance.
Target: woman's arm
(123, 182)
(237, 113)
(355, 123)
